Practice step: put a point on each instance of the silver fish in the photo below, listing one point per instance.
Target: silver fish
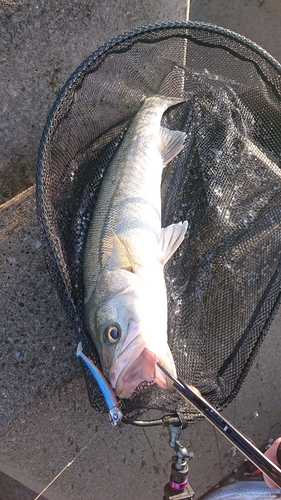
(244, 490)
(126, 249)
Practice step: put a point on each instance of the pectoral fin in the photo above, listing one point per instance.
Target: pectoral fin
(127, 259)
(171, 238)
(171, 143)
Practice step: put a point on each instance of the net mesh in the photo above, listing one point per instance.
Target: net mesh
(223, 283)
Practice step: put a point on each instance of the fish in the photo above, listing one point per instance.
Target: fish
(244, 490)
(125, 300)
(115, 414)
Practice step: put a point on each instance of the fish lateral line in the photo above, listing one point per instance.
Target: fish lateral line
(115, 414)
(129, 204)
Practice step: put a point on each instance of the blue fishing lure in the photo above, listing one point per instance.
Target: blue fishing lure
(115, 414)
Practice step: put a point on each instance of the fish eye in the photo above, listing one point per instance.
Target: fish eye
(111, 334)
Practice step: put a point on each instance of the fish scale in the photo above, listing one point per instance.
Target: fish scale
(131, 186)
(126, 249)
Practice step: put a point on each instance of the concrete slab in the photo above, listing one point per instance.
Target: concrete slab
(13, 490)
(36, 351)
(258, 20)
(42, 43)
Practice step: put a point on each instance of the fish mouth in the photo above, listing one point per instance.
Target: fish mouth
(137, 363)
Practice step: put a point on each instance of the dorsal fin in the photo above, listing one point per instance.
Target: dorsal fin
(171, 143)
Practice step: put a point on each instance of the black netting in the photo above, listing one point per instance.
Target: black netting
(223, 283)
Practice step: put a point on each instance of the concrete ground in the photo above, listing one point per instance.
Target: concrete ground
(46, 419)
(258, 20)
(41, 43)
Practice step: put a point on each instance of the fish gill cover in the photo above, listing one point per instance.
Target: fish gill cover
(223, 282)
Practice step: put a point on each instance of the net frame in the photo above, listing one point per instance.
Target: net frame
(65, 266)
